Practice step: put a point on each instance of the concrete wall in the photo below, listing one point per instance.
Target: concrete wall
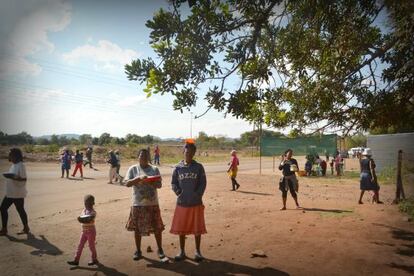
(385, 148)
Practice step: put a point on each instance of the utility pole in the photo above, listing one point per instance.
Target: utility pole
(260, 148)
(400, 188)
(191, 124)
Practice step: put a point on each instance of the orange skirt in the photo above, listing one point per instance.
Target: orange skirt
(188, 221)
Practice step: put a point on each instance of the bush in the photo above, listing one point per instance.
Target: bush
(53, 149)
(28, 148)
(407, 206)
(387, 175)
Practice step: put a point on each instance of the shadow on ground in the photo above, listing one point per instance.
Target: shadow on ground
(100, 268)
(254, 193)
(42, 245)
(406, 249)
(327, 210)
(213, 267)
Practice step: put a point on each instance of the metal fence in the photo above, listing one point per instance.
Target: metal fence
(272, 146)
(385, 149)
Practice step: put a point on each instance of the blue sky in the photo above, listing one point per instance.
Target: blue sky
(61, 71)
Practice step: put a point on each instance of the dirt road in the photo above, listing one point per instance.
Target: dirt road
(332, 235)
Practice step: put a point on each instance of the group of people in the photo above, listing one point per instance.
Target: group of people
(188, 183)
(114, 160)
(315, 165)
(368, 177)
(66, 159)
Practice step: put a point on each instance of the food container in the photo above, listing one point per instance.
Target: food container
(85, 218)
(8, 175)
(153, 178)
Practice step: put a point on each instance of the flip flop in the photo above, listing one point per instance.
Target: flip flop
(180, 257)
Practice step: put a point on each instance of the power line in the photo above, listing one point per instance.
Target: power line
(77, 69)
(76, 96)
(66, 73)
(22, 94)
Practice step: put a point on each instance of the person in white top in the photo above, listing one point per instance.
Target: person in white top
(15, 191)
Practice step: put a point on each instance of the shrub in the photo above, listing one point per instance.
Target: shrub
(407, 206)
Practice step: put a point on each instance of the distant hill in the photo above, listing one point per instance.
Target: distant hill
(68, 136)
(172, 139)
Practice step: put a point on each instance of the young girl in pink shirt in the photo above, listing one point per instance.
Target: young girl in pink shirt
(87, 219)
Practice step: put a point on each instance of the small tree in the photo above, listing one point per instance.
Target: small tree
(104, 139)
(301, 64)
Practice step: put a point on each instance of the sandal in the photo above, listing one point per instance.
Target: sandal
(95, 262)
(198, 257)
(73, 262)
(137, 255)
(180, 257)
(162, 256)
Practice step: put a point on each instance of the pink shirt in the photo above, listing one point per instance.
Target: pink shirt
(234, 162)
(88, 212)
(338, 160)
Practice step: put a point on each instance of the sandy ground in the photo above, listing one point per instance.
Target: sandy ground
(332, 235)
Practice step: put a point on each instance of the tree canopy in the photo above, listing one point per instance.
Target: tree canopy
(309, 65)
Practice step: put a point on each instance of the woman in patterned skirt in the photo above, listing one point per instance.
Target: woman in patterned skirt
(145, 216)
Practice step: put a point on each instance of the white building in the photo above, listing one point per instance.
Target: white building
(385, 148)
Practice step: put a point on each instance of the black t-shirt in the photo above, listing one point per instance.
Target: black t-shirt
(286, 167)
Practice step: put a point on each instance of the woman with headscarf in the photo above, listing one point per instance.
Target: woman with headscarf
(368, 180)
(232, 170)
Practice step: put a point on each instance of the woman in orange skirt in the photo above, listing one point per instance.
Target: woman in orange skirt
(189, 183)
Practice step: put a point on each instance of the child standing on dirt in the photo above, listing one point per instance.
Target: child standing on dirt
(15, 191)
(189, 183)
(79, 163)
(145, 215)
(65, 160)
(87, 219)
(156, 155)
(232, 170)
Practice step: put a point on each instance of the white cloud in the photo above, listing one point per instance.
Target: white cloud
(133, 101)
(29, 35)
(107, 55)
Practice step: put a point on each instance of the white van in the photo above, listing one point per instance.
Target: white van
(354, 151)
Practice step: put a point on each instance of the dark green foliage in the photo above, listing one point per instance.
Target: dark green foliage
(15, 139)
(300, 64)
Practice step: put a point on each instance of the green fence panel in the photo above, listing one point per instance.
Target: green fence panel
(272, 146)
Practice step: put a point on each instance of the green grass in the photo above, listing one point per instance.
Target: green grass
(407, 206)
(351, 174)
(387, 175)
